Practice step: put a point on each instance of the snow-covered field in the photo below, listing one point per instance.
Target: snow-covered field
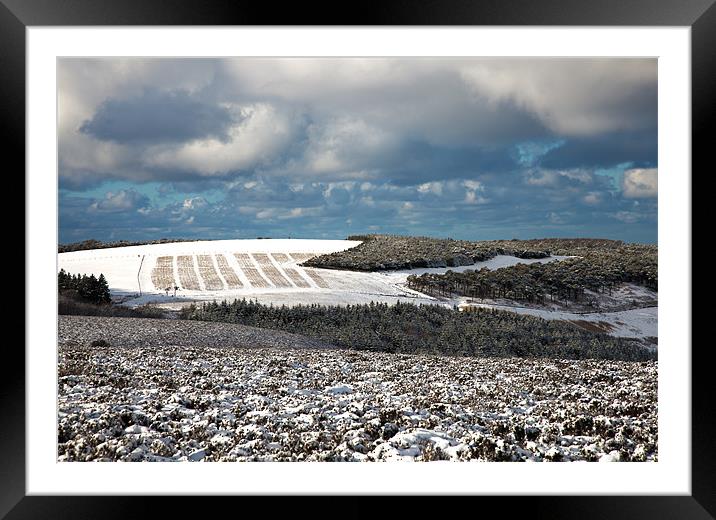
(263, 270)
(268, 271)
(290, 404)
(129, 269)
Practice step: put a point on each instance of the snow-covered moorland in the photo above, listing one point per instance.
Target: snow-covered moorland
(168, 403)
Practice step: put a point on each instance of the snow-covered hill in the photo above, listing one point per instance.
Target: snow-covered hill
(269, 271)
(266, 270)
(130, 269)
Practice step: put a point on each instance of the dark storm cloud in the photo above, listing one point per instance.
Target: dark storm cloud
(81, 179)
(155, 117)
(603, 151)
(418, 162)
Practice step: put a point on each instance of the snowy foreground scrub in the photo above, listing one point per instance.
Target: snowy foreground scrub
(168, 403)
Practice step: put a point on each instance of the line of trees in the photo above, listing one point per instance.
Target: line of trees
(85, 288)
(426, 329)
(98, 244)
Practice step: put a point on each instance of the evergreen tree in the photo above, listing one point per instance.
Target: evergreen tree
(103, 289)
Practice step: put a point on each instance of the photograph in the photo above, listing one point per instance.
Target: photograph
(357, 259)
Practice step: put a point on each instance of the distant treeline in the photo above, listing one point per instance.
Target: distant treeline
(426, 329)
(565, 280)
(98, 244)
(390, 252)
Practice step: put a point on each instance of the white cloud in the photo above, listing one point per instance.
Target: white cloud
(305, 79)
(123, 200)
(194, 203)
(628, 217)
(341, 145)
(263, 131)
(542, 177)
(471, 194)
(640, 183)
(472, 197)
(331, 186)
(577, 175)
(266, 213)
(301, 212)
(473, 185)
(434, 187)
(592, 198)
(556, 218)
(571, 97)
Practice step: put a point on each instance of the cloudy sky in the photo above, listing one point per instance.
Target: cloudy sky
(325, 148)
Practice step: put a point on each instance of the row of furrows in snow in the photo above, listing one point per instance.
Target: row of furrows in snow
(198, 272)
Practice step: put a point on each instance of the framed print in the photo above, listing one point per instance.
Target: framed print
(430, 236)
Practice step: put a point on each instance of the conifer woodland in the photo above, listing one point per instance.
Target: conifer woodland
(89, 289)
(88, 295)
(427, 329)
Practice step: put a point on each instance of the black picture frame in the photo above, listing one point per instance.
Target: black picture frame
(700, 15)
